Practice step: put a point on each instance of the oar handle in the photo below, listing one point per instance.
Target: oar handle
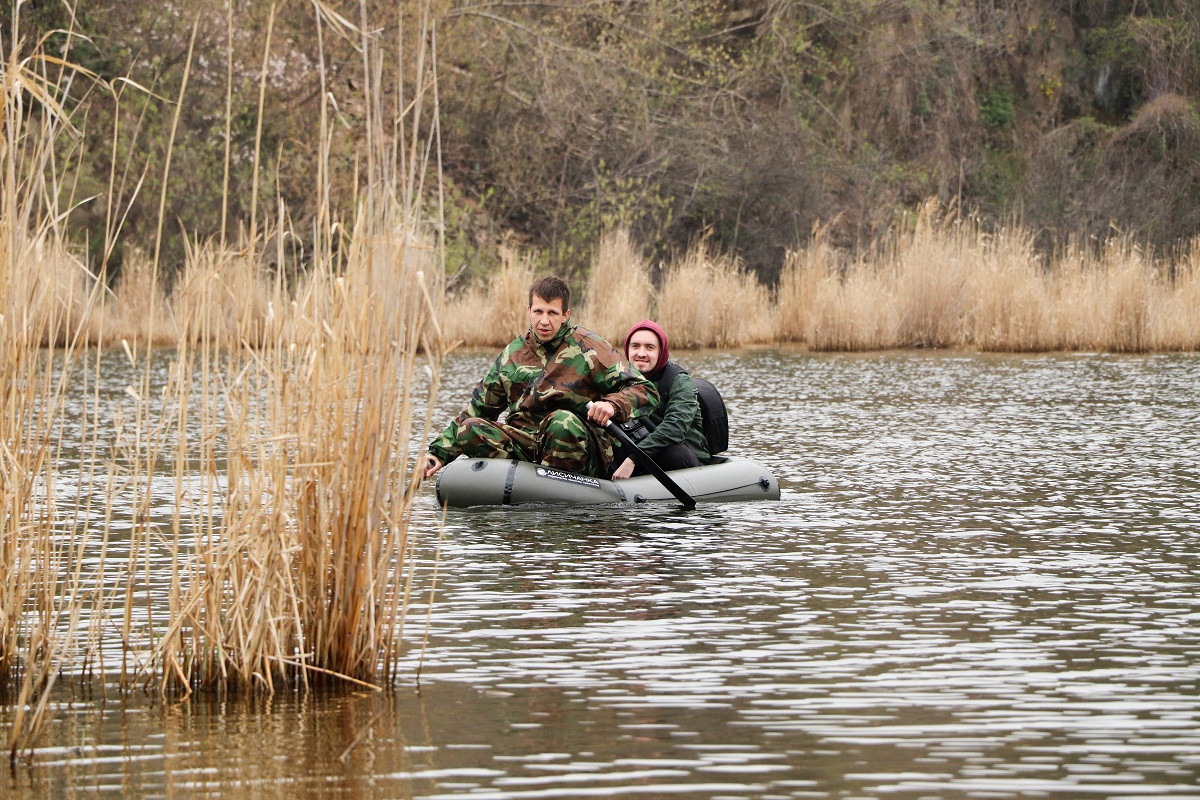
(647, 463)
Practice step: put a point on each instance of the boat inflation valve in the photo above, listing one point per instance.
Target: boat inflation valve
(478, 465)
(764, 484)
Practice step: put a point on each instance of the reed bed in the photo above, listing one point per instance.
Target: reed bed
(45, 299)
(708, 300)
(944, 282)
(1009, 303)
(296, 568)
(1174, 323)
(1124, 301)
(940, 282)
(305, 579)
(829, 307)
(493, 314)
(258, 472)
(225, 297)
(619, 292)
(137, 310)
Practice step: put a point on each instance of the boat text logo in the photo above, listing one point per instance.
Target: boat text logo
(567, 477)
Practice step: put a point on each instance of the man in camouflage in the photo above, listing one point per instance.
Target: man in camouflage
(545, 381)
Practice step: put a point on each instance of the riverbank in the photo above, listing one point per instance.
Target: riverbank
(943, 282)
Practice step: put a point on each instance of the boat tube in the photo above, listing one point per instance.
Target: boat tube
(468, 482)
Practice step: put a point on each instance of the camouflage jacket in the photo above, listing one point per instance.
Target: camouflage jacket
(530, 379)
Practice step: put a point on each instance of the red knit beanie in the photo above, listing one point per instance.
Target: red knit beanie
(656, 329)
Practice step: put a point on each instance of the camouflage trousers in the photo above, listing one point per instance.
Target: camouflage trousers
(562, 439)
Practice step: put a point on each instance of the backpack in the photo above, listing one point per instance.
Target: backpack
(714, 417)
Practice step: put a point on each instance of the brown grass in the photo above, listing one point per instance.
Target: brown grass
(941, 282)
(931, 266)
(46, 298)
(1175, 321)
(831, 307)
(1010, 305)
(307, 577)
(946, 283)
(227, 298)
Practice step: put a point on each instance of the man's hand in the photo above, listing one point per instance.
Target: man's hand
(601, 411)
(624, 471)
(432, 465)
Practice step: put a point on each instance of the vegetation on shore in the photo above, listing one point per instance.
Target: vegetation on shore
(749, 123)
(943, 282)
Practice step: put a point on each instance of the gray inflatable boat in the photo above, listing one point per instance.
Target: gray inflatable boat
(469, 482)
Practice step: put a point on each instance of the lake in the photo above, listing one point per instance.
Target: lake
(982, 581)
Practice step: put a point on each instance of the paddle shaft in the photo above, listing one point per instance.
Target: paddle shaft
(647, 463)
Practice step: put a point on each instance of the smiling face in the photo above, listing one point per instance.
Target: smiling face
(642, 350)
(546, 317)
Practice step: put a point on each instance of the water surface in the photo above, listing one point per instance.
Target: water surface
(981, 582)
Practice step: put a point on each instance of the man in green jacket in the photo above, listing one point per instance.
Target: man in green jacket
(544, 380)
(676, 439)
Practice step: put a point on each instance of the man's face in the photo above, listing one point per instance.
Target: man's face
(546, 317)
(643, 350)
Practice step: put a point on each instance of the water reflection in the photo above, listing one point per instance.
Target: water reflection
(981, 582)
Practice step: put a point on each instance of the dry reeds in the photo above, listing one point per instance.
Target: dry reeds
(1175, 319)
(941, 282)
(619, 291)
(1008, 305)
(306, 578)
(227, 298)
(830, 307)
(262, 463)
(708, 300)
(947, 283)
(492, 315)
(46, 295)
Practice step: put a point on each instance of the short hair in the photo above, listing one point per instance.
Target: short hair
(551, 288)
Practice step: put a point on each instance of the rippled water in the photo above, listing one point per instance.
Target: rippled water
(981, 582)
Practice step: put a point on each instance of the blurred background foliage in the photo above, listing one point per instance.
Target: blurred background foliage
(745, 123)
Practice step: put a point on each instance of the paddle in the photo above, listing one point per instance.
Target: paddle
(647, 463)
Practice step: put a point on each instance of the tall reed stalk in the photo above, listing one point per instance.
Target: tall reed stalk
(46, 298)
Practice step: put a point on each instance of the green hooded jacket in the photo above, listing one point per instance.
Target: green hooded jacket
(677, 418)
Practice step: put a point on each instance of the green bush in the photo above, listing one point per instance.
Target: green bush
(996, 108)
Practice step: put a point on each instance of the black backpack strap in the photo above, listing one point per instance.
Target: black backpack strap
(669, 374)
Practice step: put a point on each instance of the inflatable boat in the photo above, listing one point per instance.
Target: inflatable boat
(468, 482)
